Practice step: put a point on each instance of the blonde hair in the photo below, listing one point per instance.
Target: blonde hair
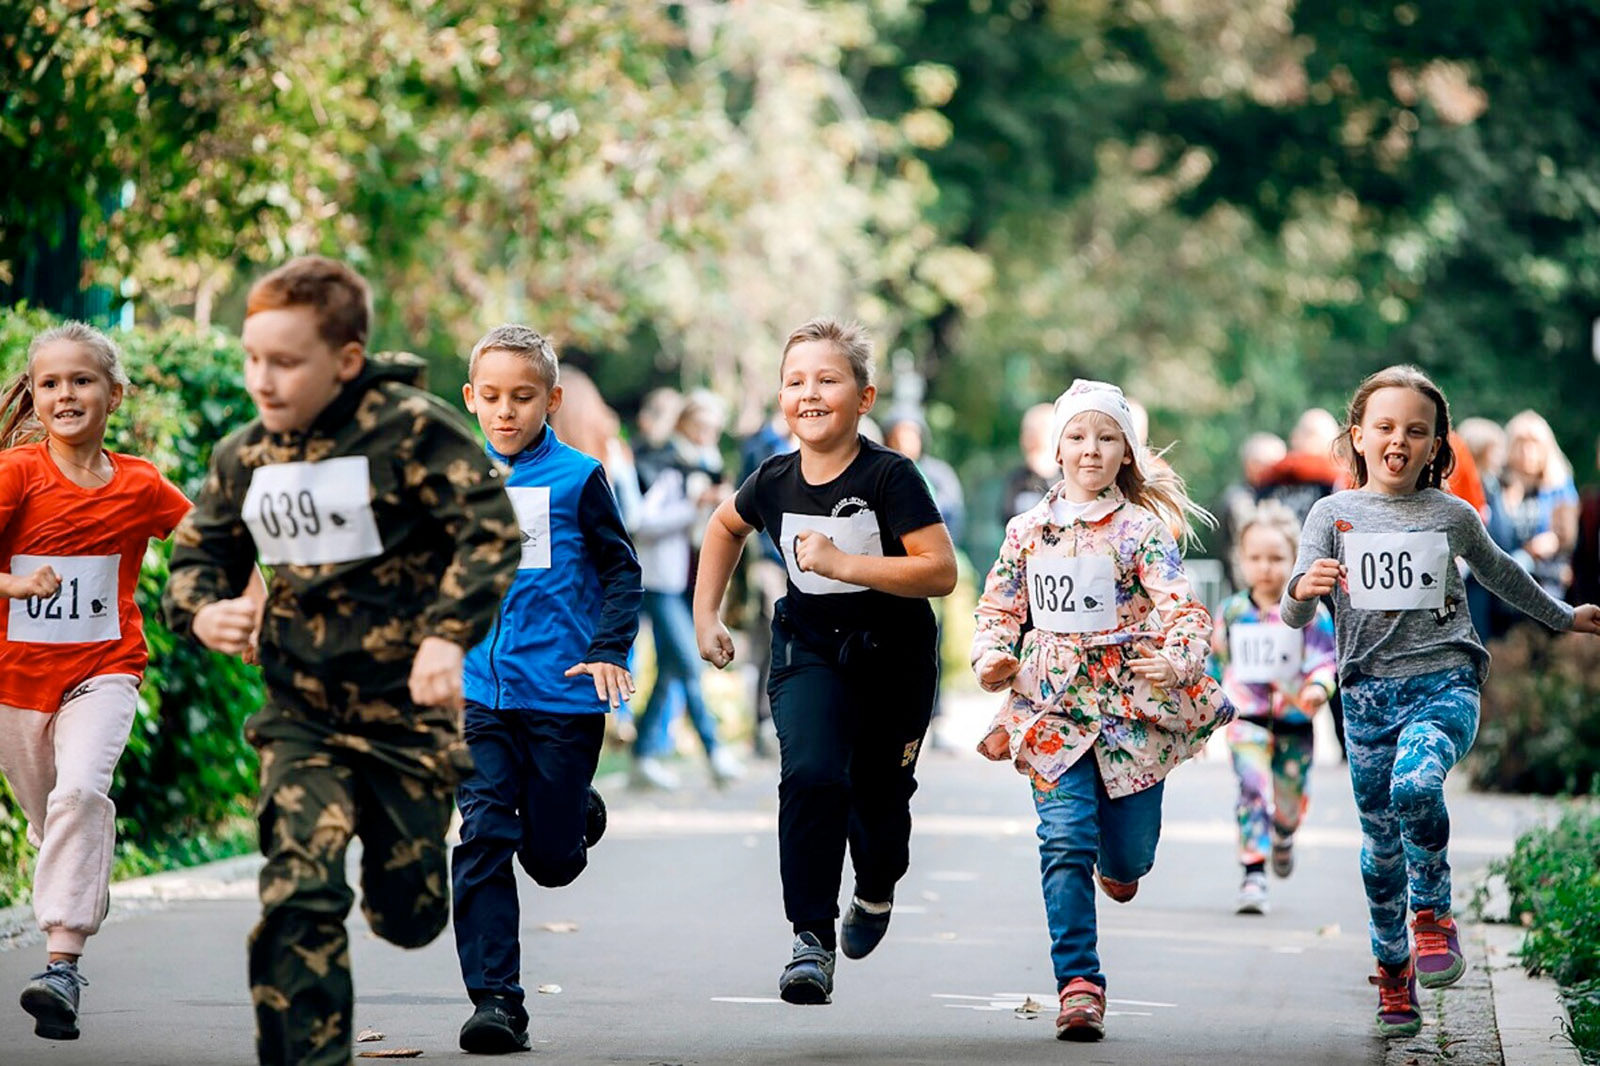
(1150, 482)
(523, 341)
(18, 424)
(1272, 515)
(849, 339)
(1557, 471)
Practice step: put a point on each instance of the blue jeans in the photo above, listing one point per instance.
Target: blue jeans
(1403, 735)
(677, 673)
(1081, 827)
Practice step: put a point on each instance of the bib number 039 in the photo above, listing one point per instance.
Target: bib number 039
(285, 515)
(311, 514)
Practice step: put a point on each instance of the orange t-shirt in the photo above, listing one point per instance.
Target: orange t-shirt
(96, 540)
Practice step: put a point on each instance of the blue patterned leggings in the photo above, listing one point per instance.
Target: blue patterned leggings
(1403, 735)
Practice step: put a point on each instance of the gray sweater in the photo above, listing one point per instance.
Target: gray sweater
(1408, 643)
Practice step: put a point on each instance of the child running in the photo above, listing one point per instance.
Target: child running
(538, 689)
(855, 658)
(391, 539)
(1108, 691)
(74, 523)
(1409, 663)
(1277, 679)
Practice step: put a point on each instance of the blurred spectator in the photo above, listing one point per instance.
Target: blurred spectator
(685, 483)
(1259, 453)
(1027, 484)
(1586, 555)
(1309, 471)
(1486, 443)
(1541, 500)
(765, 581)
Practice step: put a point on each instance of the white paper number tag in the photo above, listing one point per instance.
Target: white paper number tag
(1072, 595)
(308, 514)
(83, 610)
(855, 535)
(532, 504)
(1261, 653)
(1396, 571)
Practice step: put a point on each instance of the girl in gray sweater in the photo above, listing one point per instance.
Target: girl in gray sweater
(1410, 663)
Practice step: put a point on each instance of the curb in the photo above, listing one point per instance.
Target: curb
(233, 878)
(1458, 1023)
(1528, 1010)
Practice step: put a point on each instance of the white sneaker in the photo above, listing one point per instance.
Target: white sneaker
(725, 766)
(650, 772)
(1253, 894)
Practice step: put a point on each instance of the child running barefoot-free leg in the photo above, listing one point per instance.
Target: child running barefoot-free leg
(1410, 664)
(75, 520)
(1108, 691)
(854, 654)
(1276, 678)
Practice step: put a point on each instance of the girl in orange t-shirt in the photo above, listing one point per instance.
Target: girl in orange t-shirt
(74, 524)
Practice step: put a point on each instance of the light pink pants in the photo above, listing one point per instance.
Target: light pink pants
(59, 767)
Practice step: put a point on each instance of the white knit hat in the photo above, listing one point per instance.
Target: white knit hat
(1085, 395)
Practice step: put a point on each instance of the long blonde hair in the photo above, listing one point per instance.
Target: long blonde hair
(18, 424)
(1557, 471)
(1150, 482)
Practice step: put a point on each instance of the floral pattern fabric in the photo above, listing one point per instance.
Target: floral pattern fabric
(1074, 692)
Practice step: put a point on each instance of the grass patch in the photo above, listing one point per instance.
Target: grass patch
(1553, 877)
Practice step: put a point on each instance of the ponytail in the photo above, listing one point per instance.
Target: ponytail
(17, 422)
(18, 425)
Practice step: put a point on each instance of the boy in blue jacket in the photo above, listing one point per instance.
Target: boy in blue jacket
(538, 689)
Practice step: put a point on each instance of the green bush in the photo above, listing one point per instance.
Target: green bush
(1539, 732)
(1553, 878)
(187, 776)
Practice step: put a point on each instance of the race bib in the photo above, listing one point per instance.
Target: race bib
(1072, 595)
(856, 535)
(1396, 571)
(532, 505)
(1262, 653)
(82, 611)
(308, 514)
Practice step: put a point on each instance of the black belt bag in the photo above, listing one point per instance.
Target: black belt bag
(853, 649)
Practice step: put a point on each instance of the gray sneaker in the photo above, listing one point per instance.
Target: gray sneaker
(52, 998)
(1253, 895)
(808, 979)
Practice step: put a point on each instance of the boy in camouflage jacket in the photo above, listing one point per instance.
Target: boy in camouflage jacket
(392, 540)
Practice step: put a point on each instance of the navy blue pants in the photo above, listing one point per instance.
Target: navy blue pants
(529, 799)
(848, 741)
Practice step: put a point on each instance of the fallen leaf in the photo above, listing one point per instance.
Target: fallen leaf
(1030, 1006)
(559, 927)
(549, 990)
(368, 1035)
(1328, 930)
(392, 1053)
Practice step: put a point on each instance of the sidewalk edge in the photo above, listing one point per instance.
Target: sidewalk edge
(1529, 1011)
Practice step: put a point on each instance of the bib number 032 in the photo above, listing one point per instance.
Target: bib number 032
(1072, 594)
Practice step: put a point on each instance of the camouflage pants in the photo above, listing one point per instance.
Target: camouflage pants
(316, 796)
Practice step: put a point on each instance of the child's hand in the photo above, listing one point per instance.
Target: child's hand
(436, 673)
(996, 747)
(1320, 580)
(817, 553)
(1155, 668)
(612, 683)
(1586, 619)
(716, 644)
(43, 583)
(228, 626)
(1313, 696)
(996, 669)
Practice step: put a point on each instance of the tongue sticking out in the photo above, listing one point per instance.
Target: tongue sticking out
(1395, 463)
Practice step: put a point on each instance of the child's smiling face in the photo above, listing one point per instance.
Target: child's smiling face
(1396, 438)
(72, 396)
(820, 397)
(510, 399)
(1092, 451)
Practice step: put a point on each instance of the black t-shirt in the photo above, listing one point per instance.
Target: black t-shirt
(879, 498)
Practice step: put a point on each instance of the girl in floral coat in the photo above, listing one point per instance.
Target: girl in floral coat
(1108, 690)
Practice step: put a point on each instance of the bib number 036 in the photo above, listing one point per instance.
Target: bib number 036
(1396, 571)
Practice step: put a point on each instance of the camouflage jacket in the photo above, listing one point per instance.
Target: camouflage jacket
(383, 524)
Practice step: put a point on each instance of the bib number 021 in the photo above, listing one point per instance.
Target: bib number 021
(51, 608)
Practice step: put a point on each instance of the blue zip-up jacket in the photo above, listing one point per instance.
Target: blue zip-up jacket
(577, 592)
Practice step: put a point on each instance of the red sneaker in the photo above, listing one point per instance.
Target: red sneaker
(1083, 1011)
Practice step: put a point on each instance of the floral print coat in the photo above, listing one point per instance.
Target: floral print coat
(1073, 692)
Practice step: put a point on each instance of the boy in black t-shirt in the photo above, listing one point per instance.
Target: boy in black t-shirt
(854, 656)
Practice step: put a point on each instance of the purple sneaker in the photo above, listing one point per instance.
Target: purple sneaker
(1399, 1013)
(1439, 960)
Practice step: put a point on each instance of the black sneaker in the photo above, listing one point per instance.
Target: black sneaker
(498, 1026)
(861, 930)
(594, 822)
(808, 979)
(52, 998)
